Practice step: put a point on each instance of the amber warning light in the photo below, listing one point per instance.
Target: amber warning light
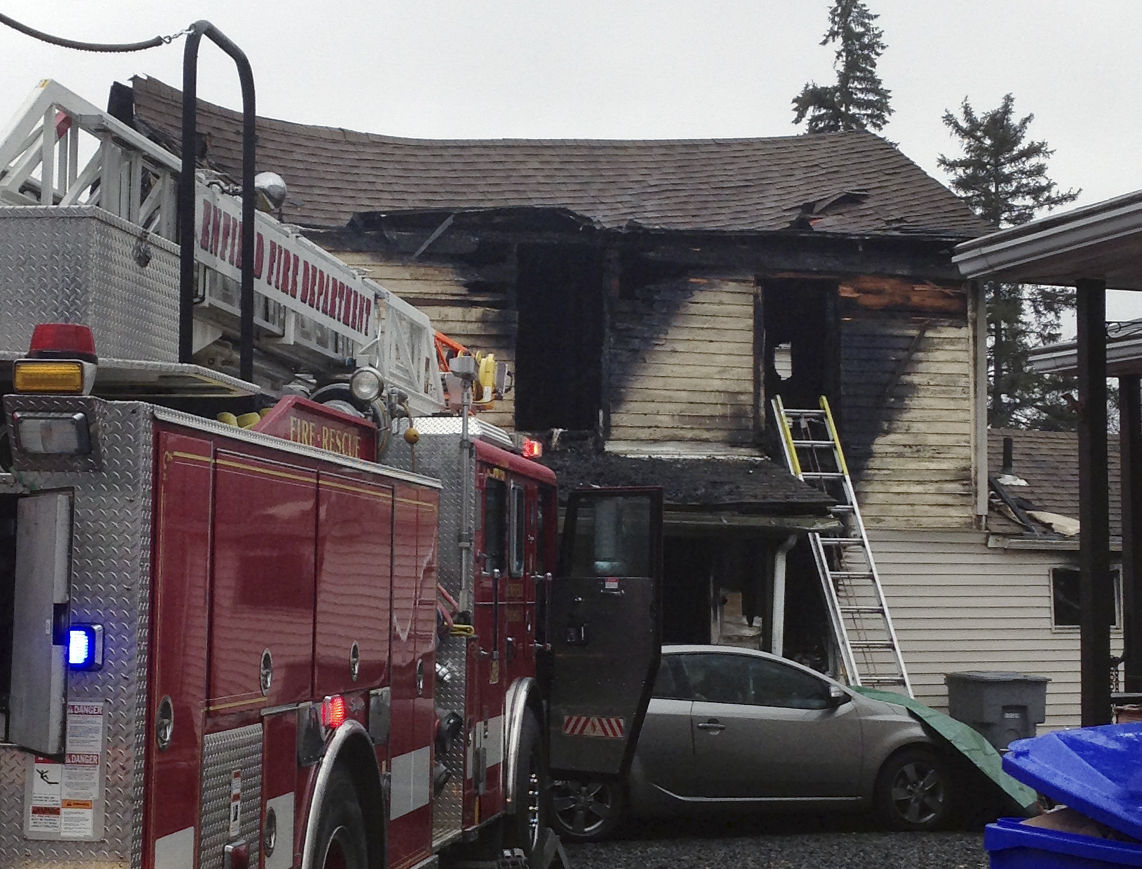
(61, 360)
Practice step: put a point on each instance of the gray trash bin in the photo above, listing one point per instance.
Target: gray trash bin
(1001, 706)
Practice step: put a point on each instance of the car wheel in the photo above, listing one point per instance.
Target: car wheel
(586, 810)
(912, 791)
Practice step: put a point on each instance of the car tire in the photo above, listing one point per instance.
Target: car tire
(583, 811)
(523, 827)
(342, 842)
(913, 791)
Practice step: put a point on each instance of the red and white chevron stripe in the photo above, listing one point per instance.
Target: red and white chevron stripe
(593, 725)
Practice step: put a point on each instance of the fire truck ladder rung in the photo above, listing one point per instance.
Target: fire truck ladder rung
(853, 593)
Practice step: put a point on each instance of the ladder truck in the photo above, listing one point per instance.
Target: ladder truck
(297, 615)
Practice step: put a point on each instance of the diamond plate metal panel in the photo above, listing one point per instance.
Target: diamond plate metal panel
(439, 455)
(83, 265)
(224, 753)
(110, 567)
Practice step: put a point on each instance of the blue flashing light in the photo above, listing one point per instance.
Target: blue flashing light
(85, 647)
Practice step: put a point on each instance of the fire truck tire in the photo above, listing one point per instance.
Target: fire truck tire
(524, 826)
(341, 838)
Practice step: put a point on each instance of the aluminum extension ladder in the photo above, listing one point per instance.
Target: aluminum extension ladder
(858, 612)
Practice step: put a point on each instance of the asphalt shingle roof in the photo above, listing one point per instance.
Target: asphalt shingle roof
(755, 485)
(1049, 462)
(848, 183)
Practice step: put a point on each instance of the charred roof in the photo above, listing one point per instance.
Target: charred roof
(743, 485)
(850, 183)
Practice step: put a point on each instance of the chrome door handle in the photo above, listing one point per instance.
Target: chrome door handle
(712, 725)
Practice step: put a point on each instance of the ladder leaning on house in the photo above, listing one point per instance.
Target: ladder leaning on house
(858, 612)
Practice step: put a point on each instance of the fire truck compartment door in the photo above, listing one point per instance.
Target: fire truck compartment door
(39, 627)
(605, 629)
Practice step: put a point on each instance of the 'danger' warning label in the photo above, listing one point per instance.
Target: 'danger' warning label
(65, 800)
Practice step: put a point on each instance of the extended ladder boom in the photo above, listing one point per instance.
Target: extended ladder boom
(858, 612)
(312, 311)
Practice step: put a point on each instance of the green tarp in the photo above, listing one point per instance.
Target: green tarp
(966, 740)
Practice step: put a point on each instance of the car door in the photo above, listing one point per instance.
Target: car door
(764, 728)
(665, 756)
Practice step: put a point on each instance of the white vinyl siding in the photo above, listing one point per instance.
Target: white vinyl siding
(958, 605)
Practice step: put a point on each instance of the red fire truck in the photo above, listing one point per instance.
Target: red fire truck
(246, 622)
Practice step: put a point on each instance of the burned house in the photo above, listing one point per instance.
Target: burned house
(652, 297)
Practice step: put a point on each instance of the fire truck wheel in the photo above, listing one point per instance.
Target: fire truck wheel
(341, 837)
(583, 811)
(524, 826)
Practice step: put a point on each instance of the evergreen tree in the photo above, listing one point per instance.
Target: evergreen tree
(1002, 175)
(858, 101)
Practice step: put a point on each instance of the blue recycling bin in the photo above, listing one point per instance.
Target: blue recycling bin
(1014, 845)
(1096, 771)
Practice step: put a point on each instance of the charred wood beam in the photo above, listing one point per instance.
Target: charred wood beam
(816, 256)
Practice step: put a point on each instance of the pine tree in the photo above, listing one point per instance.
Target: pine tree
(858, 101)
(1002, 176)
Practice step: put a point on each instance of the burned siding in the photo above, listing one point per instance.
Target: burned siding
(680, 363)
(908, 402)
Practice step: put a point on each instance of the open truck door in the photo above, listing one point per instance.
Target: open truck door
(605, 630)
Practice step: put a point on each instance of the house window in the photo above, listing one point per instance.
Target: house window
(1065, 598)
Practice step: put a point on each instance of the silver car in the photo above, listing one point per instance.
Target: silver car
(741, 730)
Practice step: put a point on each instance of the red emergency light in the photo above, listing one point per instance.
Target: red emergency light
(334, 711)
(62, 341)
(531, 449)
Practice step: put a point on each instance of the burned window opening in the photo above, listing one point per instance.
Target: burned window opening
(799, 341)
(559, 339)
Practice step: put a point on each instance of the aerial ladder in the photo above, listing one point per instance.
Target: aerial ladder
(858, 612)
(315, 317)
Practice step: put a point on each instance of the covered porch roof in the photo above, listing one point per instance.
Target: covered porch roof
(1092, 249)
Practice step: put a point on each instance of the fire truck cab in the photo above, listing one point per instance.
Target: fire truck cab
(245, 624)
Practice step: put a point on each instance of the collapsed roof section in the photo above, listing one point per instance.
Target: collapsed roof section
(1034, 477)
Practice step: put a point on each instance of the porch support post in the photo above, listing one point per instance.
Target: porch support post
(1130, 439)
(1096, 588)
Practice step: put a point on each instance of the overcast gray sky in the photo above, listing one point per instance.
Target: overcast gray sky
(625, 68)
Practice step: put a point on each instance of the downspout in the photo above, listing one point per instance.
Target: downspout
(777, 626)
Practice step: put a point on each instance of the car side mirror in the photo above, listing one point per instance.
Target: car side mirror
(837, 696)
